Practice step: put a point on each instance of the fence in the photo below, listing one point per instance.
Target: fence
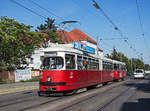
(18, 75)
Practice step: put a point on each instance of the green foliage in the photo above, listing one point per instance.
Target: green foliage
(147, 67)
(137, 64)
(49, 30)
(131, 64)
(17, 43)
(49, 26)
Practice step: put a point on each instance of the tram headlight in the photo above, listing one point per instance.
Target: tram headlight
(48, 79)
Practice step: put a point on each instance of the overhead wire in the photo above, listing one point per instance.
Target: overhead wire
(113, 24)
(61, 18)
(113, 38)
(141, 24)
(140, 18)
(34, 12)
(59, 25)
(17, 3)
(45, 9)
(88, 11)
(13, 1)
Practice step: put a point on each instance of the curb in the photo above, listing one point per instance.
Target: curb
(17, 89)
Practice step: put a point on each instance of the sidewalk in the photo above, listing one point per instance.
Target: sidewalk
(18, 87)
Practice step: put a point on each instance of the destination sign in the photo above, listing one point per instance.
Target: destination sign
(88, 49)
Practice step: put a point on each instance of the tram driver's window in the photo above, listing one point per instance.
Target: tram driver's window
(70, 61)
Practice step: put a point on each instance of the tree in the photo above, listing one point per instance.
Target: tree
(49, 30)
(137, 63)
(49, 26)
(17, 43)
(114, 55)
(120, 57)
(131, 64)
(147, 67)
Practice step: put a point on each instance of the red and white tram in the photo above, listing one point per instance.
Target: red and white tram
(66, 69)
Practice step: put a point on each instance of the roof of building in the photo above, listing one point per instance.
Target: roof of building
(75, 35)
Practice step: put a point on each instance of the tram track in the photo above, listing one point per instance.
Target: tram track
(51, 101)
(103, 108)
(19, 96)
(95, 95)
(25, 99)
(92, 96)
(87, 97)
(37, 105)
(60, 98)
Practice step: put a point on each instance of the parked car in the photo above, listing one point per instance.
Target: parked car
(139, 73)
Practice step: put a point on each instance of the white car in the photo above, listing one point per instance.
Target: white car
(139, 73)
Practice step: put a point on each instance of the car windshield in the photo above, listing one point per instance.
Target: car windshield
(139, 71)
(51, 63)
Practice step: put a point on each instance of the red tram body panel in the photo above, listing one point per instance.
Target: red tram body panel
(69, 80)
(71, 69)
(116, 74)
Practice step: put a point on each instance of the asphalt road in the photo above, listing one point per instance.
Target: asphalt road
(129, 95)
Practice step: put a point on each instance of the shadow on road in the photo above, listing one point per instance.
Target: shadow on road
(142, 104)
(145, 86)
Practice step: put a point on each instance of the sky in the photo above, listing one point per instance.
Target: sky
(123, 13)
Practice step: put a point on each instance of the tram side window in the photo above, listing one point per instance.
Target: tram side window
(89, 64)
(97, 64)
(80, 63)
(116, 66)
(70, 61)
(93, 64)
(107, 65)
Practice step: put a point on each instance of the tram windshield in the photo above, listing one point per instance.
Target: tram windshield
(51, 63)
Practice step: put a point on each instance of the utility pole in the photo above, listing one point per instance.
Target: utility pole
(131, 65)
(97, 39)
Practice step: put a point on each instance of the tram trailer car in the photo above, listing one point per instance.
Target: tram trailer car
(66, 70)
(119, 70)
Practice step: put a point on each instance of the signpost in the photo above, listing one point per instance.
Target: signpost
(22, 75)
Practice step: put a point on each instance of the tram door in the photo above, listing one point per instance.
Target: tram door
(70, 72)
(82, 73)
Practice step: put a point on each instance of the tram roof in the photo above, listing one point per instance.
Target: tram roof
(107, 59)
(67, 48)
(118, 62)
(113, 61)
